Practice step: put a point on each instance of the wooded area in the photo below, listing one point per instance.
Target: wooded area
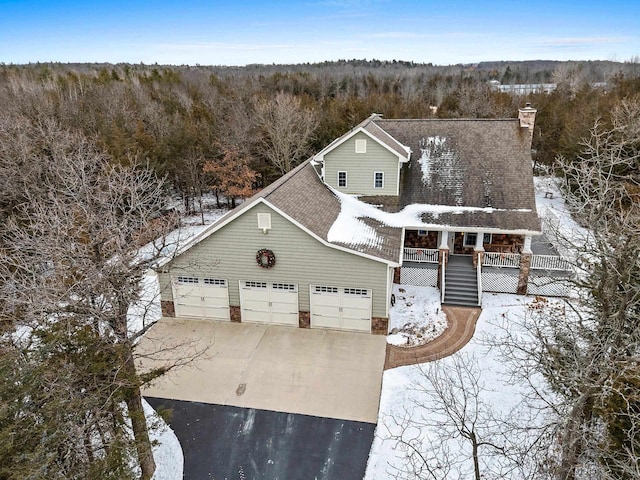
(236, 129)
(83, 149)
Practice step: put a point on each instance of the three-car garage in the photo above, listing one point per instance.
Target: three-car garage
(340, 308)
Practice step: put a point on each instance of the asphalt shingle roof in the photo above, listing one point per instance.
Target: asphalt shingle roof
(304, 197)
(483, 164)
(468, 163)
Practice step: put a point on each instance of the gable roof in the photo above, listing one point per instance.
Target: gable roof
(377, 134)
(302, 198)
(466, 163)
(464, 174)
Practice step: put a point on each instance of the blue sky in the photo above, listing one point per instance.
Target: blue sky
(250, 31)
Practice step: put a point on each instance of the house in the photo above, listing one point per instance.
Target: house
(446, 203)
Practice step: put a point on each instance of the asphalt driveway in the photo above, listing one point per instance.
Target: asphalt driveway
(321, 373)
(223, 442)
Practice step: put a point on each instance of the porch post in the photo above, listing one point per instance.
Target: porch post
(443, 254)
(478, 249)
(525, 266)
(444, 241)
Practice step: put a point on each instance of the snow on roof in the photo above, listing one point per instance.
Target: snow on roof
(349, 227)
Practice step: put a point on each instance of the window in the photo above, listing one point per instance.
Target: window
(487, 238)
(361, 146)
(470, 239)
(423, 233)
(255, 285)
(378, 180)
(342, 179)
(215, 281)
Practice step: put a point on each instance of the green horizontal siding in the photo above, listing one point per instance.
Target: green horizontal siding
(230, 254)
(360, 167)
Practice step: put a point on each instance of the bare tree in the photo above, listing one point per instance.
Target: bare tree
(450, 429)
(588, 350)
(70, 270)
(285, 129)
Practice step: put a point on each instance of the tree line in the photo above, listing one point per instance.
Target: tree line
(82, 155)
(232, 130)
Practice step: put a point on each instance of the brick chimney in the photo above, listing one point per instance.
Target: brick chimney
(527, 117)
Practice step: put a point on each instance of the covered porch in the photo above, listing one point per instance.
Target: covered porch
(504, 262)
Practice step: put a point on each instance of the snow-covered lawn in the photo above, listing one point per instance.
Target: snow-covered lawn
(167, 452)
(480, 374)
(408, 394)
(417, 316)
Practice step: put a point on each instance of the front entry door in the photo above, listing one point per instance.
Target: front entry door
(451, 242)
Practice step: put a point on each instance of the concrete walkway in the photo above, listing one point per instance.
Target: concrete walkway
(317, 372)
(462, 325)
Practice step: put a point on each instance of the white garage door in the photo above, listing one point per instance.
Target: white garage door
(201, 298)
(341, 308)
(266, 302)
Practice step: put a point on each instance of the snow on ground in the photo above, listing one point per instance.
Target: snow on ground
(502, 397)
(168, 452)
(403, 396)
(147, 310)
(417, 316)
(557, 222)
(168, 245)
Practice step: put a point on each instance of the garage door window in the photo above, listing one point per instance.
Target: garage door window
(188, 280)
(255, 284)
(319, 289)
(284, 286)
(215, 281)
(362, 292)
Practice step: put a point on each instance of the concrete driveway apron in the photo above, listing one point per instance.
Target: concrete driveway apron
(316, 372)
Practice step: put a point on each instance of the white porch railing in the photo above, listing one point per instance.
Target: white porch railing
(494, 259)
(479, 279)
(420, 255)
(549, 262)
(442, 276)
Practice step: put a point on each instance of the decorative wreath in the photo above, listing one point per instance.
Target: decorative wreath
(265, 258)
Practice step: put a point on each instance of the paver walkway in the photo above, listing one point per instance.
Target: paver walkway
(462, 325)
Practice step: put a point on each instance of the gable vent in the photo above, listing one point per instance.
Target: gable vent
(361, 146)
(264, 222)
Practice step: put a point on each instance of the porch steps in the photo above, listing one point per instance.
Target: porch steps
(461, 283)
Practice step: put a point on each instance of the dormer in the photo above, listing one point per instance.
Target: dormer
(365, 161)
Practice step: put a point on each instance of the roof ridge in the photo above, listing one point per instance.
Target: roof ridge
(446, 120)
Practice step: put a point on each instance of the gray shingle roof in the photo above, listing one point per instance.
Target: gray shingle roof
(470, 163)
(304, 197)
(458, 163)
(370, 126)
(375, 131)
